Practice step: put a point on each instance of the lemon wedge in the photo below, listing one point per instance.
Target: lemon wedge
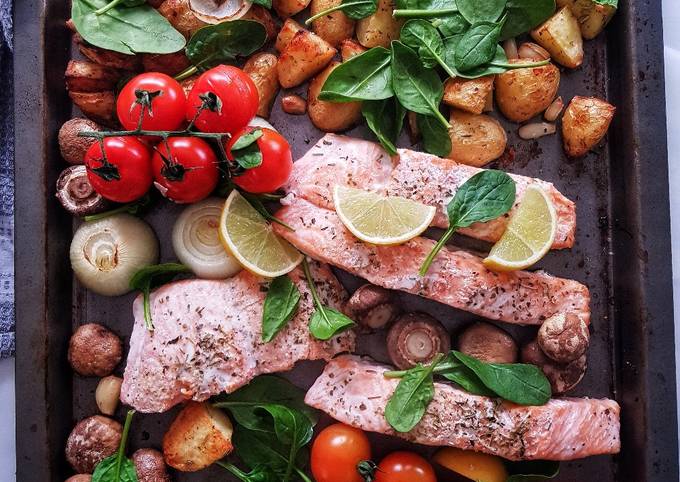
(529, 235)
(383, 220)
(249, 238)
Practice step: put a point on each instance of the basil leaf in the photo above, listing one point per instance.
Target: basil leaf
(523, 15)
(476, 11)
(410, 399)
(485, 196)
(224, 42)
(129, 30)
(327, 322)
(386, 119)
(364, 77)
(518, 383)
(477, 46)
(532, 470)
(280, 306)
(151, 277)
(436, 139)
(453, 24)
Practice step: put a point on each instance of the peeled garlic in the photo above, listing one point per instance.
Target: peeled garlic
(108, 394)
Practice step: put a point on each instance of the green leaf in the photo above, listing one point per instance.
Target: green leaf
(117, 467)
(260, 473)
(422, 37)
(247, 139)
(280, 306)
(354, 9)
(246, 152)
(386, 119)
(128, 30)
(611, 3)
(485, 196)
(532, 470)
(151, 277)
(449, 25)
(435, 5)
(260, 448)
(327, 322)
(265, 3)
(523, 15)
(364, 77)
(225, 42)
(477, 46)
(453, 370)
(476, 11)
(436, 139)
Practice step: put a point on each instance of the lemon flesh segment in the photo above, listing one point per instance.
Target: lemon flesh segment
(250, 238)
(384, 220)
(529, 235)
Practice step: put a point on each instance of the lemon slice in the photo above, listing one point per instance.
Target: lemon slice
(380, 219)
(529, 235)
(249, 237)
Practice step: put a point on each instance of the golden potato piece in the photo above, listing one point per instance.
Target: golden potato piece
(181, 17)
(84, 76)
(380, 28)
(262, 69)
(288, 8)
(468, 95)
(523, 93)
(198, 437)
(330, 116)
(584, 124)
(169, 64)
(262, 15)
(305, 56)
(97, 106)
(349, 48)
(592, 17)
(335, 27)
(561, 36)
(476, 139)
(288, 30)
(108, 58)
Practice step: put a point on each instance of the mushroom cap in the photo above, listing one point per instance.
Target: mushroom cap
(488, 343)
(150, 466)
(416, 338)
(564, 337)
(72, 146)
(77, 195)
(217, 11)
(372, 306)
(562, 377)
(91, 441)
(94, 350)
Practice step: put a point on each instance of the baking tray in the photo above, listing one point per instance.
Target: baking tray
(622, 253)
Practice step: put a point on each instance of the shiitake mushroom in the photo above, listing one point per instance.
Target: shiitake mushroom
(416, 338)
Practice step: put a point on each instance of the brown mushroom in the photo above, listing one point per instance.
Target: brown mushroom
(488, 343)
(416, 338)
(72, 146)
(293, 104)
(94, 350)
(91, 441)
(562, 377)
(77, 195)
(373, 307)
(80, 478)
(150, 466)
(564, 337)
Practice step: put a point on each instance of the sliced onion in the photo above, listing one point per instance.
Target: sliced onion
(197, 244)
(260, 122)
(105, 254)
(217, 11)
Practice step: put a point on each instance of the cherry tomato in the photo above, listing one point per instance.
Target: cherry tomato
(404, 467)
(231, 96)
(164, 99)
(336, 452)
(125, 174)
(277, 162)
(188, 173)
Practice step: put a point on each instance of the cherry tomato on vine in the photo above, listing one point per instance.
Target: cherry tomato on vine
(125, 174)
(404, 467)
(337, 451)
(187, 173)
(161, 96)
(230, 96)
(277, 162)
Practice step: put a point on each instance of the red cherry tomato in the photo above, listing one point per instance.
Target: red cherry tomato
(277, 162)
(188, 173)
(336, 452)
(404, 467)
(233, 100)
(167, 103)
(125, 174)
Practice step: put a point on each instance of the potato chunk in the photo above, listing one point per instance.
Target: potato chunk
(349, 48)
(288, 8)
(330, 116)
(261, 67)
(84, 76)
(305, 55)
(592, 17)
(468, 95)
(476, 139)
(584, 124)
(523, 93)
(561, 36)
(379, 29)
(335, 27)
(288, 30)
(97, 106)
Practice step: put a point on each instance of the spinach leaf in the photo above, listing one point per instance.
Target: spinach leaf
(516, 382)
(280, 306)
(421, 36)
(386, 119)
(466, 379)
(424, 8)
(476, 11)
(128, 30)
(498, 64)
(260, 448)
(532, 470)
(436, 139)
(417, 88)
(117, 467)
(450, 25)
(523, 15)
(265, 3)
(611, 3)
(477, 46)
(150, 278)
(354, 9)
(364, 77)
(246, 151)
(260, 473)
(123, 3)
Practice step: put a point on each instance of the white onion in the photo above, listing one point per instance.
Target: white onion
(214, 12)
(260, 122)
(197, 244)
(105, 254)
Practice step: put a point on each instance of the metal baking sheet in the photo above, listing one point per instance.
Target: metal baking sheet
(622, 253)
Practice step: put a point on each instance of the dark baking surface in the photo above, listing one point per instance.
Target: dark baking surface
(622, 253)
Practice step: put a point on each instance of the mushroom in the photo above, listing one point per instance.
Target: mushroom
(564, 337)
(72, 146)
(80, 478)
(216, 11)
(94, 350)
(77, 195)
(562, 377)
(488, 343)
(150, 466)
(91, 441)
(416, 338)
(373, 307)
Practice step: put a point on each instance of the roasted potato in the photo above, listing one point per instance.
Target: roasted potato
(305, 56)
(198, 437)
(330, 116)
(561, 36)
(592, 17)
(169, 64)
(523, 93)
(288, 30)
(335, 27)
(262, 15)
(262, 69)
(476, 139)
(468, 95)
(97, 106)
(288, 8)
(181, 17)
(584, 124)
(84, 76)
(380, 28)
(108, 58)
(349, 48)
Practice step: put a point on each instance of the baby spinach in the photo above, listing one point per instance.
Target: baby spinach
(386, 119)
(477, 46)
(532, 470)
(485, 196)
(436, 139)
(422, 37)
(117, 467)
(150, 278)
(454, 371)
(354, 9)
(476, 11)
(449, 25)
(280, 306)
(611, 3)
(246, 151)
(424, 8)
(115, 3)
(523, 15)
(364, 77)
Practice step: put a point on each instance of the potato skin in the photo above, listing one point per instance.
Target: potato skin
(288, 30)
(107, 58)
(379, 29)
(261, 67)
(98, 106)
(262, 15)
(169, 64)
(94, 350)
(561, 36)
(73, 147)
(476, 139)
(330, 116)
(84, 76)
(468, 95)
(91, 441)
(181, 17)
(523, 93)
(592, 17)
(305, 56)
(584, 124)
(349, 48)
(288, 8)
(199, 436)
(335, 27)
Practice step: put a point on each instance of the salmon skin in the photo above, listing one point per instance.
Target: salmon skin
(456, 278)
(354, 391)
(208, 339)
(414, 175)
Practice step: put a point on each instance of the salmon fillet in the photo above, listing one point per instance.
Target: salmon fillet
(353, 391)
(456, 278)
(414, 175)
(208, 339)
